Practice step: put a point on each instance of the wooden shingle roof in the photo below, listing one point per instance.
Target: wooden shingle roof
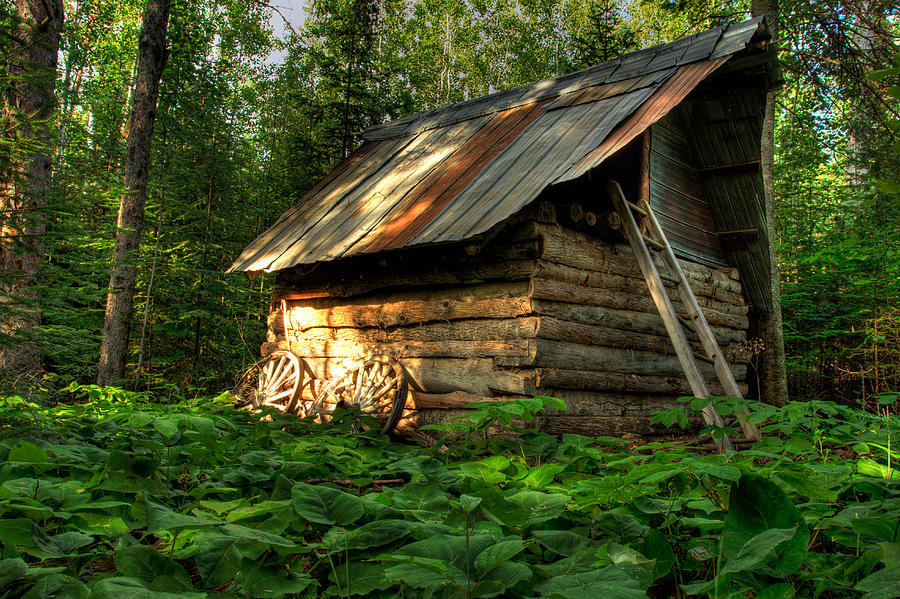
(455, 172)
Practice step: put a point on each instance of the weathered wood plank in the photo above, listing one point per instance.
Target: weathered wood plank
(597, 296)
(557, 378)
(626, 320)
(546, 353)
(514, 350)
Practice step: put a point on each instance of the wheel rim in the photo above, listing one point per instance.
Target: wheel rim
(274, 381)
(377, 387)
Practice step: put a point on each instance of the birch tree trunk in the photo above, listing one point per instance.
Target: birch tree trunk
(772, 370)
(28, 104)
(152, 55)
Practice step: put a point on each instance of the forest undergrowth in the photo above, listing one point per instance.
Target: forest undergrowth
(112, 494)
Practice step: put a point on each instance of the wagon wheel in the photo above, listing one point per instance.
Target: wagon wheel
(274, 381)
(377, 386)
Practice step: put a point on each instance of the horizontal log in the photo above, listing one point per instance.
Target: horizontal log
(490, 329)
(454, 400)
(599, 426)
(593, 278)
(576, 249)
(593, 403)
(626, 320)
(573, 356)
(492, 300)
(482, 329)
(552, 379)
(344, 284)
(597, 296)
(562, 330)
(514, 350)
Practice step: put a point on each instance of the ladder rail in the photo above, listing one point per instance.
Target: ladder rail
(666, 310)
(701, 326)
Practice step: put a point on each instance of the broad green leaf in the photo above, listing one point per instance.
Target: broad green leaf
(656, 547)
(882, 528)
(563, 542)
(373, 534)
(58, 586)
(481, 471)
(253, 534)
(494, 555)
(131, 588)
(219, 556)
(782, 590)
(540, 476)
(11, 570)
(758, 550)
(259, 581)
(61, 545)
(259, 509)
(729, 473)
(583, 561)
(16, 532)
(632, 562)
(469, 503)
(325, 505)
(358, 578)
(27, 453)
(100, 524)
(162, 517)
(807, 486)
(609, 582)
(428, 497)
(454, 550)
(756, 505)
(872, 468)
(168, 429)
(504, 576)
(540, 506)
(422, 572)
(158, 572)
(891, 554)
(883, 584)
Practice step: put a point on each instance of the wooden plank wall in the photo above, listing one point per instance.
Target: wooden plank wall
(678, 197)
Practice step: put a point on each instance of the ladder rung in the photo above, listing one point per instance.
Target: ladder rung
(686, 323)
(636, 208)
(654, 243)
(706, 359)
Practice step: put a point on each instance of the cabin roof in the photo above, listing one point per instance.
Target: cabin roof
(455, 172)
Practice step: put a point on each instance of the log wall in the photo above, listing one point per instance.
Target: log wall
(543, 308)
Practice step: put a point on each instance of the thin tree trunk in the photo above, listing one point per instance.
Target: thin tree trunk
(772, 368)
(28, 103)
(152, 57)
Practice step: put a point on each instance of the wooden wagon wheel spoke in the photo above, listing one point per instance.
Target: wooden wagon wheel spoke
(377, 387)
(285, 368)
(274, 381)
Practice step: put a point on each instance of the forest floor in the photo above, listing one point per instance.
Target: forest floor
(116, 494)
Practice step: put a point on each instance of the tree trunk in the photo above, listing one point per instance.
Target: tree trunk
(28, 104)
(152, 57)
(772, 371)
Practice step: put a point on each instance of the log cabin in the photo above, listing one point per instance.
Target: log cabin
(477, 243)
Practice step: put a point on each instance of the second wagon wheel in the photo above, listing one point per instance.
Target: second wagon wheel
(376, 386)
(277, 380)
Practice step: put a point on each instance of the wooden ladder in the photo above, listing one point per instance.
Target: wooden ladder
(655, 237)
